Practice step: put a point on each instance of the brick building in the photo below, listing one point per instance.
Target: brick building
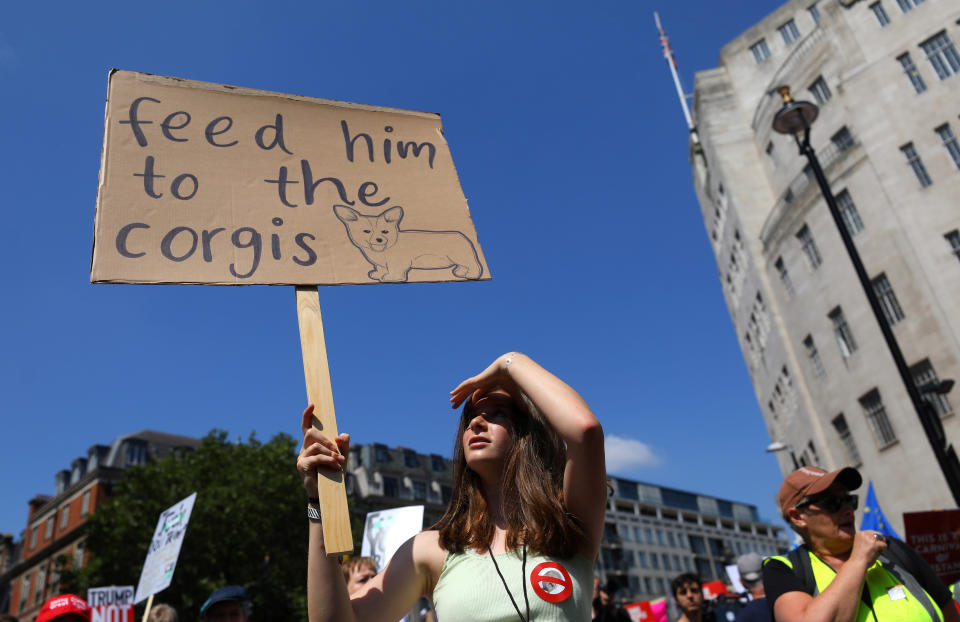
(54, 536)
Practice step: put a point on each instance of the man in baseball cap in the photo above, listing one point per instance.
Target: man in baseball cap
(64, 608)
(228, 604)
(808, 482)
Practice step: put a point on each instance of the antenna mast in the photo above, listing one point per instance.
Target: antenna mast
(672, 62)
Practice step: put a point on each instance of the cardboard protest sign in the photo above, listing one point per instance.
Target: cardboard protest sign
(936, 537)
(386, 530)
(164, 548)
(219, 185)
(111, 604)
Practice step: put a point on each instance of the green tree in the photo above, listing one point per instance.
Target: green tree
(247, 528)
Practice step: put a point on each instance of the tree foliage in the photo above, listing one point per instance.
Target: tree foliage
(247, 528)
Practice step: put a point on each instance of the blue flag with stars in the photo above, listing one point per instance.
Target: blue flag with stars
(873, 517)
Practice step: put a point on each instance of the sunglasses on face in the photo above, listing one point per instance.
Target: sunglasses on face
(832, 504)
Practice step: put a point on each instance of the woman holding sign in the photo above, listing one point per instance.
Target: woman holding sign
(524, 523)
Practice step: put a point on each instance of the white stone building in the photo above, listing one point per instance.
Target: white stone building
(886, 75)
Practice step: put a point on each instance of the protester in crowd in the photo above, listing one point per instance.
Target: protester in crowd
(357, 571)
(604, 610)
(64, 608)
(750, 567)
(230, 603)
(688, 592)
(843, 574)
(6, 617)
(163, 613)
(525, 519)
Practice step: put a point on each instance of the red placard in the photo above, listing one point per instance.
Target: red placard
(936, 536)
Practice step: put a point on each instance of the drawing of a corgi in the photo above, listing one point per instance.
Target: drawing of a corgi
(393, 251)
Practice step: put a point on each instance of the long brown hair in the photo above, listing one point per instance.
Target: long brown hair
(531, 491)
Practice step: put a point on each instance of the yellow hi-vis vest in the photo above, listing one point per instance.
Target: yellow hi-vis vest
(892, 600)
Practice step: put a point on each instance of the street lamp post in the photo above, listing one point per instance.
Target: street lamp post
(795, 118)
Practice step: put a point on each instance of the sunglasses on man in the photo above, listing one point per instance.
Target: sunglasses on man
(831, 504)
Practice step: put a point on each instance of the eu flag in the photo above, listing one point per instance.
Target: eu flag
(873, 517)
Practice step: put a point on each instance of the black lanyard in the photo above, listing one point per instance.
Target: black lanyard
(523, 571)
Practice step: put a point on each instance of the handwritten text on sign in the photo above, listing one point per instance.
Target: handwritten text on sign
(203, 183)
(164, 548)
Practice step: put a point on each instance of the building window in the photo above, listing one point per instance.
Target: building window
(815, 361)
(809, 247)
(887, 299)
(437, 463)
(381, 452)
(841, 330)
(789, 32)
(820, 90)
(784, 275)
(40, 583)
(907, 5)
(846, 437)
(880, 13)
(389, 486)
(942, 54)
(78, 555)
(843, 139)
(814, 11)
(33, 537)
(769, 150)
(410, 459)
(953, 238)
(849, 213)
(912, 72)
(913, 159)
(64, 517)
(446, 492)
(877, 418)
(950, 142)
(48, 532)
(420, 491)
(923, 373)
(24, 591)
(85, 504)
(760, 51)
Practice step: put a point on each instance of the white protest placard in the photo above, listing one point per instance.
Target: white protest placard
(386, 530)
(111, 604)
(164, 548)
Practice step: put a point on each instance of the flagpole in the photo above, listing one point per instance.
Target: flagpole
(672, 63)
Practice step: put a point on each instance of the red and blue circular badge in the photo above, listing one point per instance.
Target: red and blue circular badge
(551, 582)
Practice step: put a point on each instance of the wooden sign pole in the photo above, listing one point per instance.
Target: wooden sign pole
(337, 536)
(146, 611)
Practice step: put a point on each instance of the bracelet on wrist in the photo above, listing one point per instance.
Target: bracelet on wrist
(313, 513)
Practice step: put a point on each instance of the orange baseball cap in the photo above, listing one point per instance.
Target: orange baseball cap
(808, 481)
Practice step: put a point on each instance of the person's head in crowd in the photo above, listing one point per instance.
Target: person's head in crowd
(688, 591)
(530, 470)
(357, 571)
(6, 617)
(228, 604)
(163, 613)
(64, 608)
(750, 567)
(818, 505)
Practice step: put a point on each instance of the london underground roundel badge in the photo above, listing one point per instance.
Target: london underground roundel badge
(551, 582)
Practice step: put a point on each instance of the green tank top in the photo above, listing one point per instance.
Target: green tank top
(470, 590)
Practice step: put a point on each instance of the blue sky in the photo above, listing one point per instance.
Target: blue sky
(571, 149)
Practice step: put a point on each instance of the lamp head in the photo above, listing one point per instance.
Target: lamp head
(795, 117)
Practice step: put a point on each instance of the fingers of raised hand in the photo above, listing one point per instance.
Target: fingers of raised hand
(306, 420)
(322, 454)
